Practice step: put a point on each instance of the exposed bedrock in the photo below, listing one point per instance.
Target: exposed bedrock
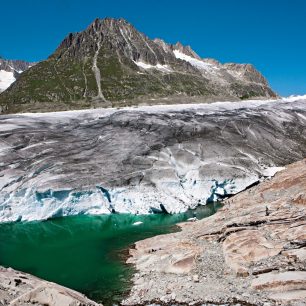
(21, 289)
(142, 159)
(251, 252)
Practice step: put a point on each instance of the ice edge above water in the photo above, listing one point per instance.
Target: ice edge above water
(31, 205)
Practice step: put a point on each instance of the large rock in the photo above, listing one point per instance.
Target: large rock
(21, 289)
(281, 281)
(253, 250)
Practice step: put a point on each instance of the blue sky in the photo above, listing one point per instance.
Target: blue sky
(271, 34)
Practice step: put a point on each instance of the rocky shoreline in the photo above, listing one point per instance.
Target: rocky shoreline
(251, 252)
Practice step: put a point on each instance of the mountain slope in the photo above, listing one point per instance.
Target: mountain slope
(10, 70)
(111, 63)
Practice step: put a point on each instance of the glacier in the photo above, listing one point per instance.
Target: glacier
(140, 160)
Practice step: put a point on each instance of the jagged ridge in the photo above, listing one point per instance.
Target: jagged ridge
(111, 63)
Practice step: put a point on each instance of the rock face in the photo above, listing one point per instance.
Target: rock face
(142, 160)
(10, 70)
(111, 63)
(21, 289)
(252, 251)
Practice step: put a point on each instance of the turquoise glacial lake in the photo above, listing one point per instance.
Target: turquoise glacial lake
(86, 253)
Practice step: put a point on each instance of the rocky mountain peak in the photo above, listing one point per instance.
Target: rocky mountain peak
(185, 50)
(110, 34)
(119, 36)
(111, 61)
(247, 72)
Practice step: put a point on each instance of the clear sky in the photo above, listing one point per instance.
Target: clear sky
(271, 34)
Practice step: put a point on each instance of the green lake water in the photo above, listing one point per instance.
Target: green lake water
(85, 253)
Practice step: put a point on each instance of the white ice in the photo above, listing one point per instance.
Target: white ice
(271, 171)
(294, 98)
(137, 223)
(175, 196)
(6, 79)
(200, 64)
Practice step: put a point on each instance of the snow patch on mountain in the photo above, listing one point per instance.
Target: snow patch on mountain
(199, 64)
(10, 70)
(143, 65)
(6, 79)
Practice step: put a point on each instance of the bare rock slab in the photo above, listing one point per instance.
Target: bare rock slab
(21, 289)
(252, 251)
